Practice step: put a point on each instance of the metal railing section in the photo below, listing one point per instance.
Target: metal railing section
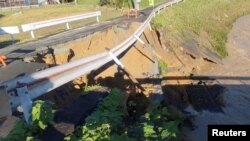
(37, 25)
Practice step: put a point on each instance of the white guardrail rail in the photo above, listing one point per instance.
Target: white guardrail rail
(37, 25)
(11, 30)
(42, 24)
(21, 90)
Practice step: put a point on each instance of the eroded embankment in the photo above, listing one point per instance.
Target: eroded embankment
(138, 60)
(181, 86)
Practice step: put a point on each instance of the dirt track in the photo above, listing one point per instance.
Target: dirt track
(234, 76)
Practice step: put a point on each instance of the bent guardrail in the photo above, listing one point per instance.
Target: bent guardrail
(42, 24)
(22, 90)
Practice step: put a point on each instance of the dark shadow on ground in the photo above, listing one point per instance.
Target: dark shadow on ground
(203, 94)
(4, 44)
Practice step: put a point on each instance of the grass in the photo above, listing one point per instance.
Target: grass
(18, 17)
(24, 16)
(213, 18)
(145, 3)
(13, 18)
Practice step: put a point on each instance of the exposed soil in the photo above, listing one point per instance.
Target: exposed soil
(91, 45)
(138, 60)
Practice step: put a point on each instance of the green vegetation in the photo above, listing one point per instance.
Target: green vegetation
(88, 2)
(127, 3)
(145, 3)
(41, 116)
(112, 3)
(24, 16)
(106, 123)
(106, 118)
(210, 20)
(163, 66)
(21, 132)
(109, 122)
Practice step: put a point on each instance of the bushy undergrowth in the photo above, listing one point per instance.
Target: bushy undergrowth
(127, 3)
(41, 116)
(112, 3)
(212, 17)
(107, 123)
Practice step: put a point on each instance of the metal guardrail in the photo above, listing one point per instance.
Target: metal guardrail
(22, 90)
(11, 30)
(42, 24)
(37, 25)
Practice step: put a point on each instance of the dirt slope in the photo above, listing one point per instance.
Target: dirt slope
(236, 80)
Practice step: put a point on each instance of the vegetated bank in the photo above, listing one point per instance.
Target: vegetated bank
(206, 21)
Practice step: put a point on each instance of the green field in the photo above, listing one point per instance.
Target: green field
(210, 20)
(23, 16)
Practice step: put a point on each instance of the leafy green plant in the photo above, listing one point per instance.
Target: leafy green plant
(106, 119)
(19, 133)
(42, 114)
(163, 66)
(158, 125)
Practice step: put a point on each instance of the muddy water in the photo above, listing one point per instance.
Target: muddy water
(234, 75)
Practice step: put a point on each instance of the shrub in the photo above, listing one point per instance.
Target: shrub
(112, 3)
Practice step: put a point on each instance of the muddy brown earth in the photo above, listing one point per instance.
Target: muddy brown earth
(233, 75)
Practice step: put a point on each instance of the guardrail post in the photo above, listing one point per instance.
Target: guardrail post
(32, 34)
(97, 19)
(25, 99)
(67, 26)
(117, 61)
(140, 40)
(120, 65)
